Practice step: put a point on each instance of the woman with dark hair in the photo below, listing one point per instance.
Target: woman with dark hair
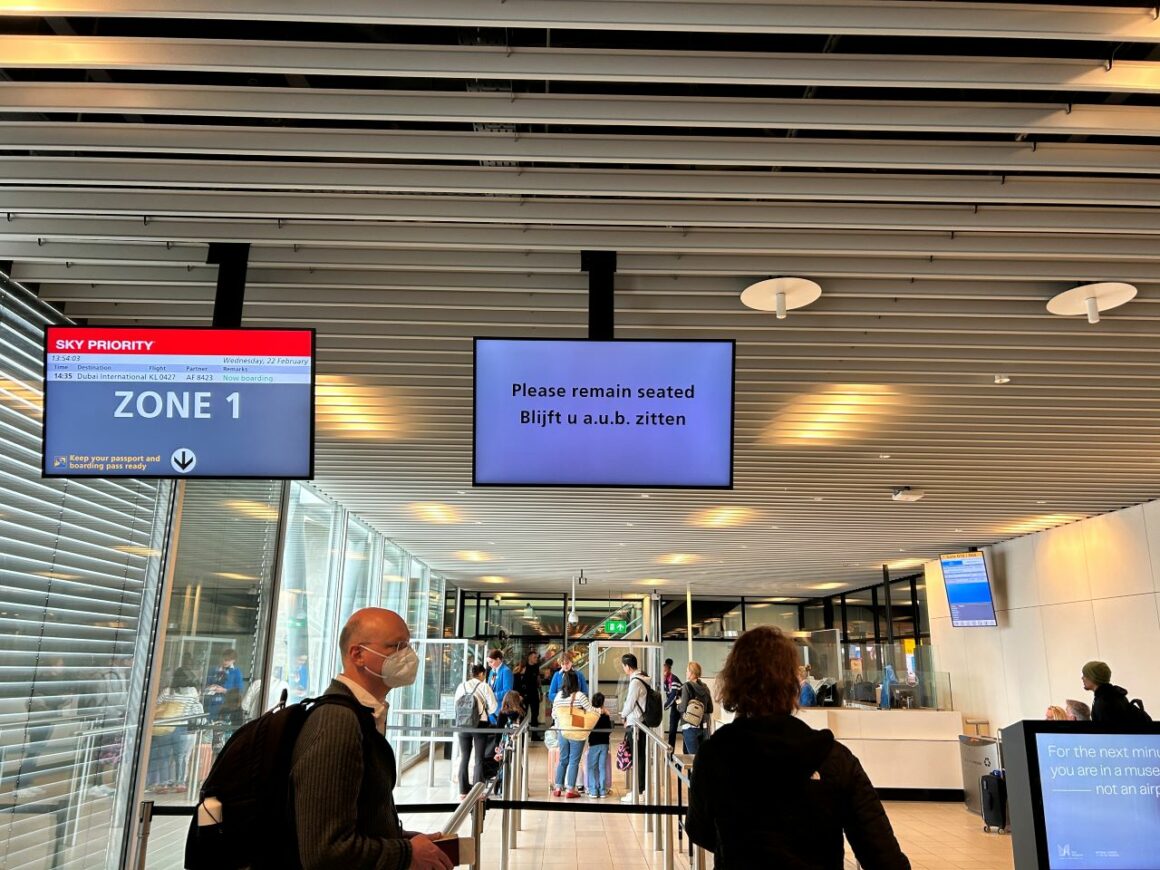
(568, 710)
(769, 791)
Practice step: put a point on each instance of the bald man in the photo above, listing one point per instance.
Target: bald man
(343, 768)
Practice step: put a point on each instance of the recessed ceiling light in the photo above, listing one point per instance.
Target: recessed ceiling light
(1041, 501)
(492, 578)
(472, 556)
(1002, 379)
(883, 455)
(644, 495)
(629, 525)
(958, 530)
(724, 517)
(435, 513)
(678, 559)
(479, 522)
(775, 528)
(826, 586)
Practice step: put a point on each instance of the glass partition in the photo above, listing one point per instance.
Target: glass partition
(904, 670)
(779, 613)
(208, 679)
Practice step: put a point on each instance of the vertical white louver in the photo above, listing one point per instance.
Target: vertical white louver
(79, 571)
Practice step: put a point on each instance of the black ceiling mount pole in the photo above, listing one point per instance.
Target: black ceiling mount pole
(232, 259)
(601, 269)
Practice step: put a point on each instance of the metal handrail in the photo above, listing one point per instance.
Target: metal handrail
(466, 805)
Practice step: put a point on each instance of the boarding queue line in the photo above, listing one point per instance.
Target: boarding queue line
(655, 804)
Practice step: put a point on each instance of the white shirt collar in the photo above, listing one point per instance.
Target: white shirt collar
(378, 707)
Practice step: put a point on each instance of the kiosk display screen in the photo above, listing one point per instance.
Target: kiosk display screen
(603, 413)
(1100, 795)
(968, 588)
(159, 402)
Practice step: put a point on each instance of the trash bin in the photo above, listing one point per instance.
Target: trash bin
(979, 757)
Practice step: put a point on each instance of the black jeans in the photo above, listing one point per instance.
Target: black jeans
(477, 741)
(640, 747)
(532, 702)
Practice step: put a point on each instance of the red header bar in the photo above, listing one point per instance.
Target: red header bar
(179, 342)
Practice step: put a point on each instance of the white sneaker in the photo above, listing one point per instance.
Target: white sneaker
(628, 797)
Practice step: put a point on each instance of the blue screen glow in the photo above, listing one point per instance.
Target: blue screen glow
(603, 413)
(1101, 800)
(968, 589)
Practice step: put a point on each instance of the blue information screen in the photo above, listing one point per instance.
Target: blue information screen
(968, 589)
(133, 402)
(1101, 800)
(603, 413)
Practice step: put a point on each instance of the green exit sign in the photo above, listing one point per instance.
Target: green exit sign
(615, 626)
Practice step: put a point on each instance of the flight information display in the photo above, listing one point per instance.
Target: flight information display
(159, 402)
(968, 589)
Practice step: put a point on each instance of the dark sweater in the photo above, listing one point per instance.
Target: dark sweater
(754, 800)
(1111, 707)
(599, 736)
(341, 789)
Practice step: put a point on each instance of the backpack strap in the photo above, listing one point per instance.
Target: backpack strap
(642, 703)
(366, 718)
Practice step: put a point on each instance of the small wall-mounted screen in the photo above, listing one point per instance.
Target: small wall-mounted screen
(968, 587)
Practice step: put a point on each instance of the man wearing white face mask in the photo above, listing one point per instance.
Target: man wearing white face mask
(343, 769)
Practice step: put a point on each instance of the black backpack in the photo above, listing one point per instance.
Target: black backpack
(1137, 714)
(653, 710)
(251, 778)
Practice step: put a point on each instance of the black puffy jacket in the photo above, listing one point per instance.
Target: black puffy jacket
(773, 792)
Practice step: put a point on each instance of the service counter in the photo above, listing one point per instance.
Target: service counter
(899, 749)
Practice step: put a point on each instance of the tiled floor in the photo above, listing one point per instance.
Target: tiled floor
(933, 835)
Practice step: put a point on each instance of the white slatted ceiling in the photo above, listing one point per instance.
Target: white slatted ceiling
(409, 181)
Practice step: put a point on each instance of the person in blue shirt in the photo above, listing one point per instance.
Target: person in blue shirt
(888, 680)
(558, 677)
(499, 678)
(807, 697)
(224, 690)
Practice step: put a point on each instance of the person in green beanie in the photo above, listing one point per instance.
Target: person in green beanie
(1111, 705)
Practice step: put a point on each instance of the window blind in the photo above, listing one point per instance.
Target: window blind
(79, 572)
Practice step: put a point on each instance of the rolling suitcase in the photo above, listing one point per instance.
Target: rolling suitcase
(993, 791)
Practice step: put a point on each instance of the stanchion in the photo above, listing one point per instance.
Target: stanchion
(647, 797)
(431, 750)
(505, 824)
(658, 764)
(510, 789)
(144, 823)
(668, 820)
(477, 814)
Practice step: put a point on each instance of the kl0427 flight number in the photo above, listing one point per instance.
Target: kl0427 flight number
(172, 404)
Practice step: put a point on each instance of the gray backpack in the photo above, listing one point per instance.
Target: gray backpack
(467, 708)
